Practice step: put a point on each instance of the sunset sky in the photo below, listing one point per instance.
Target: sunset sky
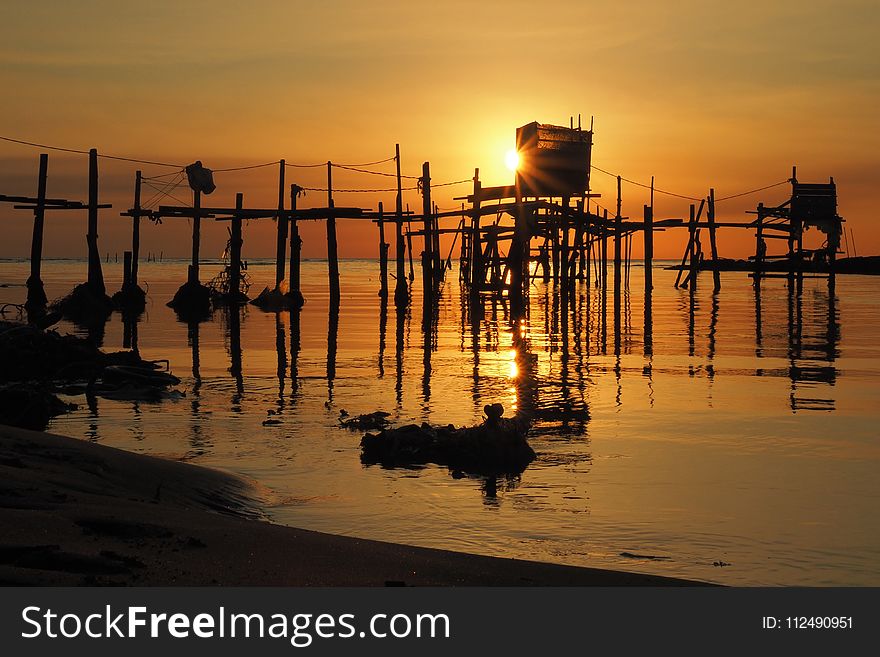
(699, 94)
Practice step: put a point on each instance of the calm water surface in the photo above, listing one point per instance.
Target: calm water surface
(744, 434)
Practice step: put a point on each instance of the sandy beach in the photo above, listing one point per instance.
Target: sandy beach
(78, 513)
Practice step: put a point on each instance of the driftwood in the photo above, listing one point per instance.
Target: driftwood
(496, 447)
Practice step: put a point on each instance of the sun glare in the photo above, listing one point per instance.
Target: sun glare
(511, 159)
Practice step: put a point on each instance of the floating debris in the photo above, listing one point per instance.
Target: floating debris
(277, 299)
(649, 557)
(495, 447)
(365, 422)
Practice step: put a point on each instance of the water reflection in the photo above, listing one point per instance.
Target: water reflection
(281, 359)
(232, 316)
(332, 337)
(295, 347)
(769, 360)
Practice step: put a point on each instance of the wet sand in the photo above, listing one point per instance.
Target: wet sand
(78, 513)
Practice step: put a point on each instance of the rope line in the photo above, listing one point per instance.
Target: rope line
(82, 152)
(162, 175)
(368, 164)
(387, 189)
(350, 167)
(252, 166)
(305, 166)
(639, 184)
(752, 191)
(375, 173)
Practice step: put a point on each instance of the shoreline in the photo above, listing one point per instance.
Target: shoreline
(77, 513)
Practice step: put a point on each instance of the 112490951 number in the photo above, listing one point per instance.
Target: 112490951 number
(819, 622)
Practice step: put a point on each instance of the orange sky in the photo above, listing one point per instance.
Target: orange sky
(693, 93)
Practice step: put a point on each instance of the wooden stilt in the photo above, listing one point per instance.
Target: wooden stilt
(428, 253)
(281, 230)
(401, 293)
(295, 249)
(617, 273)
(476, 254)
(564, 247)
(96, 275)
(196, 237)
(519, 245)
(383, 255)
(694, 251)
(760, 246)
(710, 216)
(36, 295)
(126, 269)
(332, 255)
(235, 243)
(603, 267)
(136, 229)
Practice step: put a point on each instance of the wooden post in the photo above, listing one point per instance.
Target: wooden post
(555, 243)
(196, 237)
(136, 229)
(409, 246)
(36, 296)
(126, 270)
(476, 255)
(760, 246)
(587, 245)
(235, 253)
(649, 251)
(96, 275)
(694, 251)
(332, 257)
(710, 215)
(518, 245)
(383, 255)
(428, 253)
(401, 293)
(617, 251)
(617, 273)
(295, 248)
(281, 237)
(563, 246)
(603, 267)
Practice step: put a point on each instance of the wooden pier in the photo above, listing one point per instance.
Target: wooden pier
(546, 225)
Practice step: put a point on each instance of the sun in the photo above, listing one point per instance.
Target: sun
(511, 159)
